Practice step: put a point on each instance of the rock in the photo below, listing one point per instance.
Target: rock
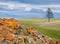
(12, 32)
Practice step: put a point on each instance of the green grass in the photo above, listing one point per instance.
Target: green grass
(51, 33)
(55, 34)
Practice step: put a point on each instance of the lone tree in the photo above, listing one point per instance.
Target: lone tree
(49, 14)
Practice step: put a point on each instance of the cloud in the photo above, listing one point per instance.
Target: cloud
(14, 9)
(28, 7)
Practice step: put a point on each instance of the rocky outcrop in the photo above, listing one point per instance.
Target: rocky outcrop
(12, 32)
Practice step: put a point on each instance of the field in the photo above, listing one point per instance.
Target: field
(51, 29)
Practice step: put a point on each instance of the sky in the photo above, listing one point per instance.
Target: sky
(28, 8)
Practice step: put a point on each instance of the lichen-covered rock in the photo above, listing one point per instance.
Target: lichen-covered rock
(12, 32)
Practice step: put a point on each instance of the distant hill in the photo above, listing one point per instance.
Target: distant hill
(52, 25)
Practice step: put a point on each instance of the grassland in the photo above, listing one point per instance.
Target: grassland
(51, 29)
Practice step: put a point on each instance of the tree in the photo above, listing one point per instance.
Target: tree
(49, 14)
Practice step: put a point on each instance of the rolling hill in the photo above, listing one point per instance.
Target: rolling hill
(51, 29)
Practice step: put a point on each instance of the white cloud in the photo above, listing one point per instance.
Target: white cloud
(11, 7)
(29, 7)
(56, 11)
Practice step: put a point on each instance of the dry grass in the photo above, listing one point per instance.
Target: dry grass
(51, 29)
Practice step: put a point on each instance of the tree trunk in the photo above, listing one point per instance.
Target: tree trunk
(48, 19)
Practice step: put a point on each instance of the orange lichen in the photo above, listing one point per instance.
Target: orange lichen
(10, 37)
(14, 31)
(9, 29)
(1, 37)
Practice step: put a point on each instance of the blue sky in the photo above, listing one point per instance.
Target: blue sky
(28, 8)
